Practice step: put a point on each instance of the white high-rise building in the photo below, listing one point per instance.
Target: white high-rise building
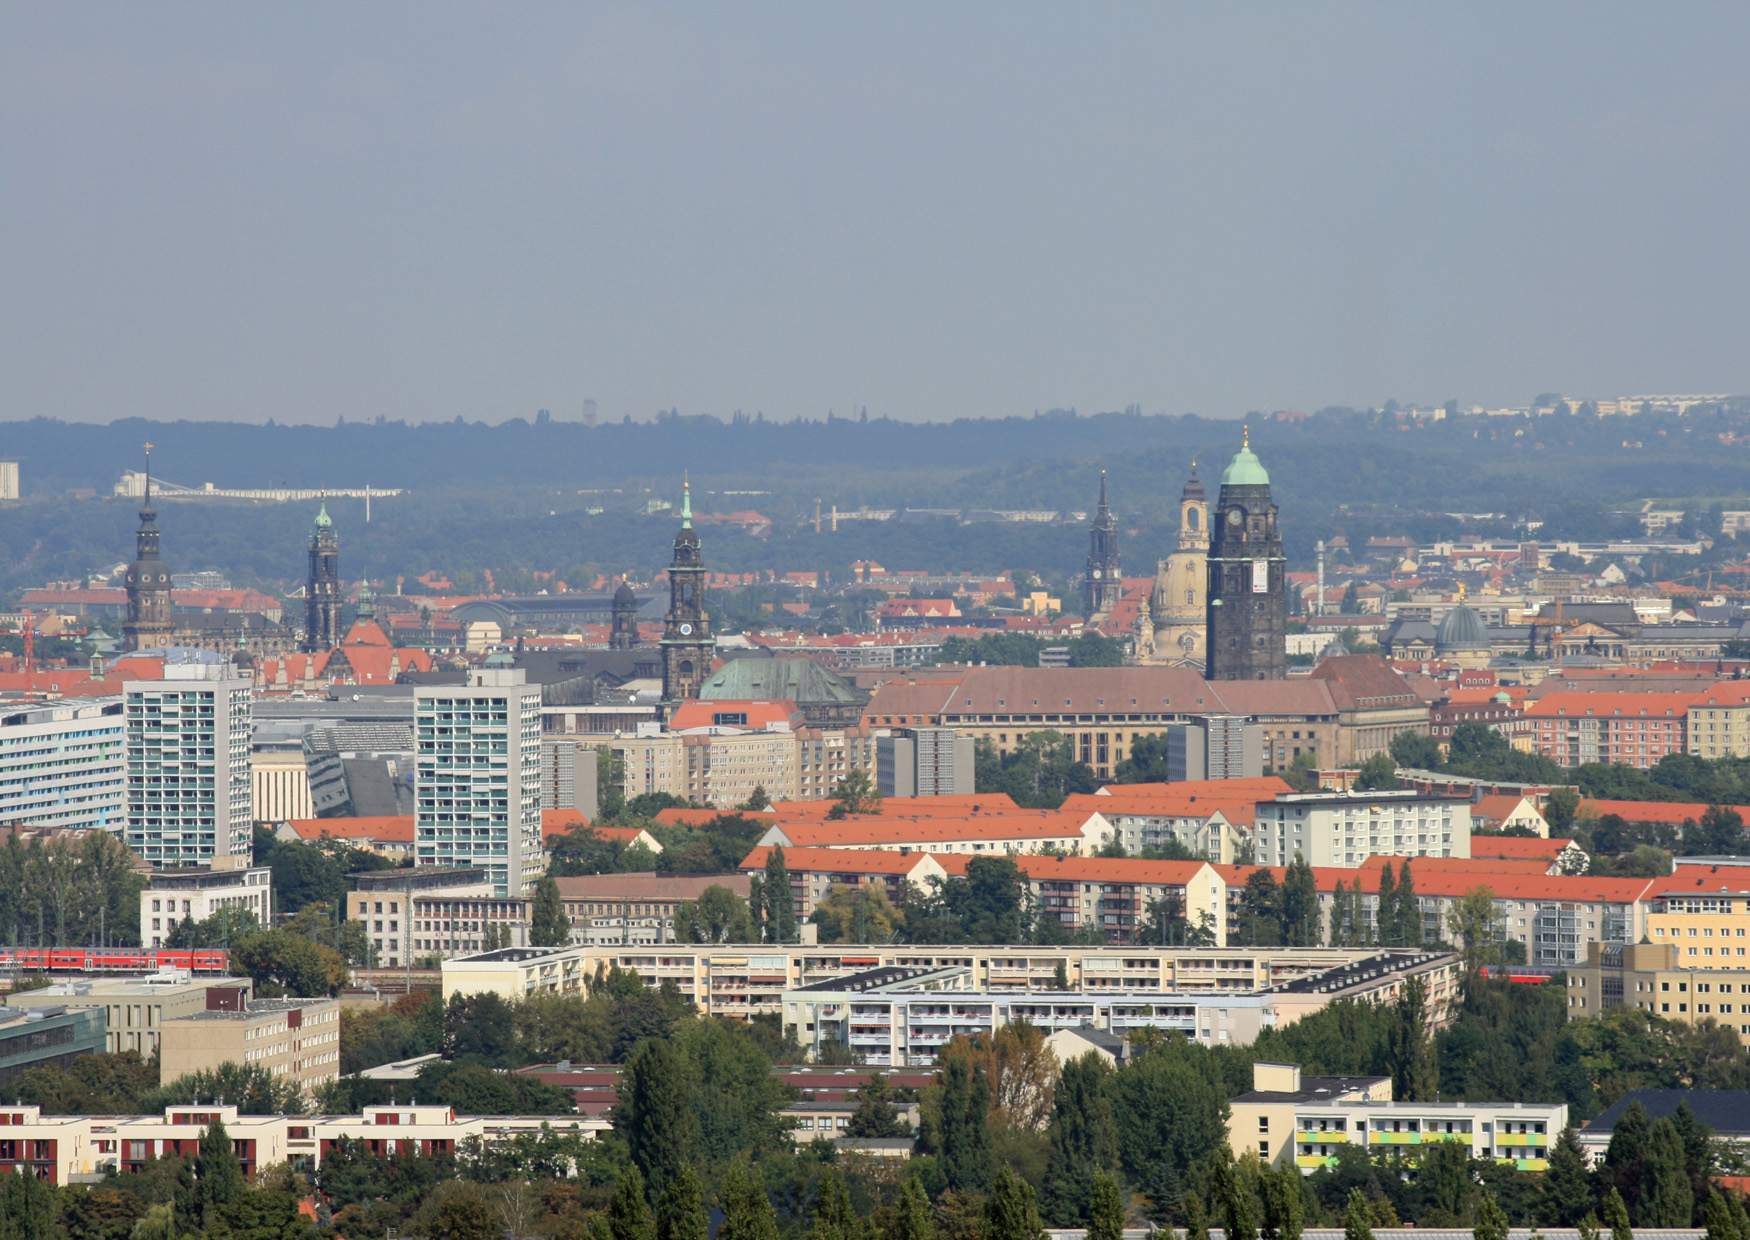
(8, 479)
(62, 764)
(189, 796)
(477, 780)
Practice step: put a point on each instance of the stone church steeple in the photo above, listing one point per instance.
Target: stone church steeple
(1103, 582)
(322, 588)
(687, 644)
(148, 581)
(1247, 627)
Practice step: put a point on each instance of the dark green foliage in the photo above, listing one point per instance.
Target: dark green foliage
(1357, 1225)
(474, 1089)
(1491, 1220)
(1235, 1201)
(1410, 1049)
(780, 903)
(1667, 1198)
(1377, 772)
(1105, 1208)
(101, 1084)
(834, 1218)
(1567, 1195)
(912, 1219)
(876, 1115)
(1170, 1110)
(680, 1208)
(1011, 1212)
(252, 1089)
(219, 1176)
(1083, 1141)
(629, 1214)
(282, 962)
(747, 1211)
(1616, 1217)
(1300, 906)
(548, 924)
(654, 1117)
(964, 1139)
(1280, 1191)
(1038, 773)
(479, 1029)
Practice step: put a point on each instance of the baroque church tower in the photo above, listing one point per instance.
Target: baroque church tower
(1103, 583)
(687, 645)
(322, 589)
(1247, 628)
(1177, 604)
(148, 581)
(624, 634)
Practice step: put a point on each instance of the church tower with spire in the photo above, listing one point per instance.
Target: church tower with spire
(1103, 583)
(1247, 628)
(322, 589)
(1181, 580)
(687, 644)
(148, 581)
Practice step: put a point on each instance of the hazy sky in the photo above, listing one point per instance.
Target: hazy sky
(300, 211)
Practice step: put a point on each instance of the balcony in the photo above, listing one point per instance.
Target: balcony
(1314, 1137)
(1522, 1138)
(1312, 1162)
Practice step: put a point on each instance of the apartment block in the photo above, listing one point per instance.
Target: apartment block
(477, 781)
(189, 792)
(568, 776)
(1652, 977)
(634, 908)
(1515, 1134)
(171, 897)
(1215, 747)
(1343, 829)
(1262, 1121)
(929, 762)
(1718, 725)
(1635, 729)
(743, 981)
(425, 913)
(295, 1040)
(64, 764)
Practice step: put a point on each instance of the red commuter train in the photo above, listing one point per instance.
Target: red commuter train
(112, 960)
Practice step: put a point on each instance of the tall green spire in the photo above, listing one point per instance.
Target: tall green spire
(686, 503)
(323, 520)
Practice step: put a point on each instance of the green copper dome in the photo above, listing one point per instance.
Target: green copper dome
(1245, 470)
(323, 520)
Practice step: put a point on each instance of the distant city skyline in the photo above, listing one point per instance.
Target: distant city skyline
(430, 212)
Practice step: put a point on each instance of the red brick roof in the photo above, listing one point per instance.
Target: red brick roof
(1575, 704)
(1703, 880)
(1515, 847)
(563, 821)
(383, 828)
(1113, 870)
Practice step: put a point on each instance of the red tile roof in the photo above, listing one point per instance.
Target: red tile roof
(556, 822)
(1670, 813)
(838, 860)
(1575, 704)
(384, 828)
(1496, 807)
(954, 805)
(1703, 880)
(700, 816)
(877, 829)
(1516, 847)
(1112, 870)
(760, 714)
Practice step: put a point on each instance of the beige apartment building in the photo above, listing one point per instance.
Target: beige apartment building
(711, 766)
(171, 897)
(294, 1040)
(1261, 1122)
(135, 1009)
(1719, 724)
(1653, 978)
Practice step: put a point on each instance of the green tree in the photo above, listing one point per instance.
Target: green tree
(717, 916)
(1667, 1198)
(834, 1217)
(548, 924)
(1475, 922)
(219, 1176)
(1082, 1139)
(780, 910)
(1105, 1208)
(912, 1219)
(1300, 906)
(1414, 1070)
(1377, 773)
(1233, 1198)
(1491, 1219)
(1409, 910)
(629, 1214)
(1616, 1217)
(283, 963)
(1011, 1212)
(1357, 1223)
(1385, 913)
(747, 1211)
(860, 914)
(1261, 910)
(680, 1213)
(654, 1114)
(1283, 1209)
(1566, 1193)
(854, 794)
(757, 800)
(876, 1115)
(964, 1108)
(1560, 808)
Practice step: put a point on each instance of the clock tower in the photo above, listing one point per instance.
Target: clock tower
(687, 645)
(148, 581)
(1104, 583)
(1247, 626)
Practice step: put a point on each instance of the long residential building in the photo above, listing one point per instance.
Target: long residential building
(1634, 729)
(64, 764)
(1346, 828)
(750, 979)
(900, 1017)
(1653, 978)
(1003, 832)
(63, 1149)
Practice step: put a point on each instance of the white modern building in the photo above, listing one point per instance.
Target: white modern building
(477, 778)
(63, 764)
(923, 762)
(8, 479)
(1518, 1134)
(189, 795)
(171, 897)
(1343, 829)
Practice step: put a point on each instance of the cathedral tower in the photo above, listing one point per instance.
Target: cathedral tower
(1181, 582)
(322, 588)
(1103, 583)
(1247, 628)
(687, 645)
(148, 581)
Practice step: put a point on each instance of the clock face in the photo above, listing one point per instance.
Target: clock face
(1234, 517)
(686, 630)
(1096, 574)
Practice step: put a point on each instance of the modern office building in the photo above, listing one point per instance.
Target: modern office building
(171, 897)
(477, 781)
(1655, 978)
(923, 762)
(280, 781)
(1215, 747)
(63, 764)
(134, 1009)
(43, 1037)
(189, 791)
